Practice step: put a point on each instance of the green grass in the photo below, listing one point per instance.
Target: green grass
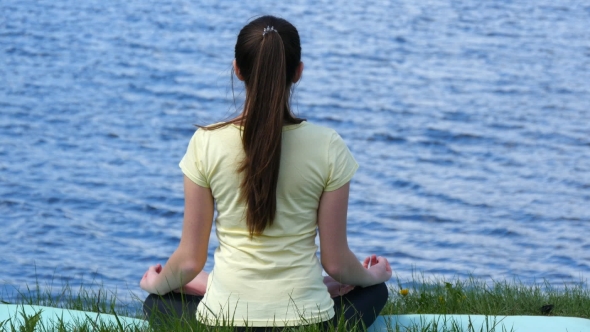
(477, 297)
(459, 296)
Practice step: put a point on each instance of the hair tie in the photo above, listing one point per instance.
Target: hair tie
(268, 29)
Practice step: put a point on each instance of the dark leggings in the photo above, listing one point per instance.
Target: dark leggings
(359, 306)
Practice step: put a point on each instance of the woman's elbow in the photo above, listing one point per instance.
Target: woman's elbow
(192, 266)
(333, 269)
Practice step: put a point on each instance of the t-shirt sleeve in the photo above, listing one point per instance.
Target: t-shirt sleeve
(191, 164)
(341, 164)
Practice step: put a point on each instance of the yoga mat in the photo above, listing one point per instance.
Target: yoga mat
(51, 316)
(482, 323)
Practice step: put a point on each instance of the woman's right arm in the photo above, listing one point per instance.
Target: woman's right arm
(190, 257)
(337, 259)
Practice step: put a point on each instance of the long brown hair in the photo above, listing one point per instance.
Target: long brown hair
(268, 53)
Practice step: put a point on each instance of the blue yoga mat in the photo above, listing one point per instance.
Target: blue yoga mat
(50, 316)
(481, 323)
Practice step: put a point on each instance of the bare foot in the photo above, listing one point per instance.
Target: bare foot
(197, 286)
(335, 288)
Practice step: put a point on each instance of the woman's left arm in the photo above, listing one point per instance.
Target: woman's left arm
(190, 256)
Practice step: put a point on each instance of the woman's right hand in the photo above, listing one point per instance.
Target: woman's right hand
(379, 268)
(149, 280)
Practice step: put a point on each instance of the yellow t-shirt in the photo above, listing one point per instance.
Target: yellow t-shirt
(274, 279)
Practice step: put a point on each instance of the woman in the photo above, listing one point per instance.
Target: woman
(275, 179)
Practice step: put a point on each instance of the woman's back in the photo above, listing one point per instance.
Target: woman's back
(275, 276)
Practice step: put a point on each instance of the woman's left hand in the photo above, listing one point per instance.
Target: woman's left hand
(148, 281)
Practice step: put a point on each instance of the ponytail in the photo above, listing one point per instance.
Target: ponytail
(264, 113)
(268, 53)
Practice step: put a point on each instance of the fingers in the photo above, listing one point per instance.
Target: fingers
(155, 268)
(386, 266)
(383, 267)
(386, 262)
(374, 259)
(366, 262)
(370, 261)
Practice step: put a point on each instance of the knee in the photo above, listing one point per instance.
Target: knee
(382, 287)
(150, 304)
(381, 293)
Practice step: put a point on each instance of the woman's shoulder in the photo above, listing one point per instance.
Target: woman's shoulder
(319, 133)
(310, 127)
(216, 129)
(215, 133)
(217, 126)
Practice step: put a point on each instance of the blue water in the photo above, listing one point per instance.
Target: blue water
(470, 121)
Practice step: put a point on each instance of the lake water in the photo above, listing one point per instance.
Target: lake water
(470, 121)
